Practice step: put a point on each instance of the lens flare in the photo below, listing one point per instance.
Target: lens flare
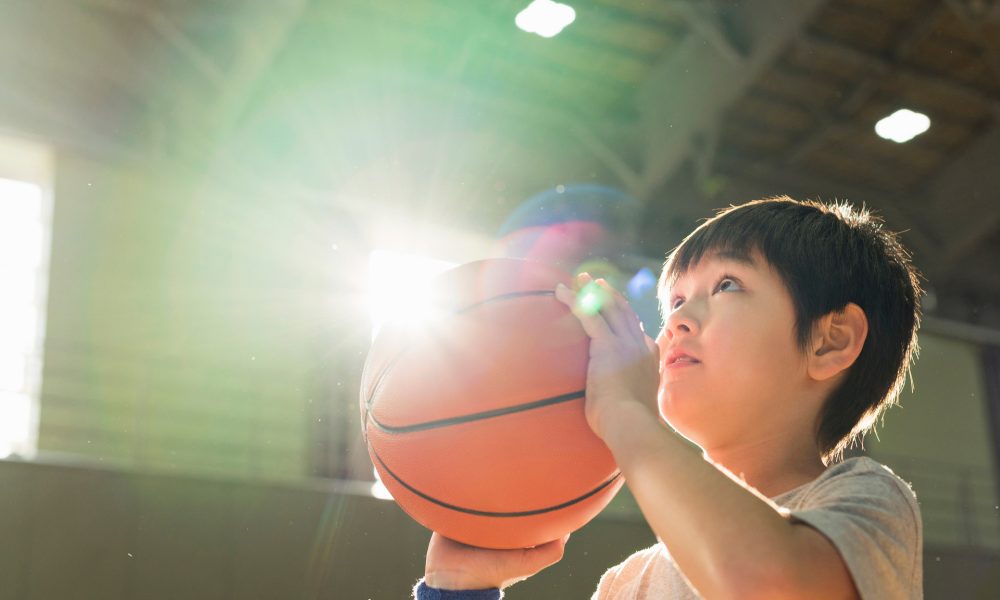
(591, 299)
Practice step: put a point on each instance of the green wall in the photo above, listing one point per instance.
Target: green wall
(938, 438)
(105, 534)
(189, 325)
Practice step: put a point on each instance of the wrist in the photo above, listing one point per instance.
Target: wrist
(632, 432)
(455, 580)
(621, 419)
(609, 418)
(425, 591)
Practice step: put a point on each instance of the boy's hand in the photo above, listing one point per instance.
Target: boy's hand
(624, 362)
(455, 566)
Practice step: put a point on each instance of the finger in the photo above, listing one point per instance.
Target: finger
(593, 323)
(632, 320)
(620, 315)
(635, 327)
(599, 297)
(635, 323)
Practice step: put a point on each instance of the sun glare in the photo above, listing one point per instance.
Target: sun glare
(398, 287)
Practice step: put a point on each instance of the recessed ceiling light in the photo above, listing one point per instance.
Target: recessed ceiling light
(902, 125)
(545, 17)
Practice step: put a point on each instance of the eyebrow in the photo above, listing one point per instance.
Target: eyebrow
(742, 258)
(738, 257)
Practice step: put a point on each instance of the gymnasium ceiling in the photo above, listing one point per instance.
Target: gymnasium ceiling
(446, 106)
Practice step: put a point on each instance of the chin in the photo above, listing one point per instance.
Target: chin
(679, 414)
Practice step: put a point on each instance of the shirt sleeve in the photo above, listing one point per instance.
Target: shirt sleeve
(604, 585)
(425, 592)
(873, 520)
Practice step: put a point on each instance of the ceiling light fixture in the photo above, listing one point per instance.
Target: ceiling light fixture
(545, 17)
(902, 125)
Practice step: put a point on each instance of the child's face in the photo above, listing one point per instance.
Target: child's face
(743, 370)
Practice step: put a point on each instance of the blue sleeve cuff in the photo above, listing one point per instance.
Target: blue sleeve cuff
(426, 592)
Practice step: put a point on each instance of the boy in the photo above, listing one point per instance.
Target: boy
(789, 328)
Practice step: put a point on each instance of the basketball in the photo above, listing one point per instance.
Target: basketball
(475, 420)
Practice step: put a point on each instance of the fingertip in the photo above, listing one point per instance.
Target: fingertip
(563, 294)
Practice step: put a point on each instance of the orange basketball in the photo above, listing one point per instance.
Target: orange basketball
(475, 422)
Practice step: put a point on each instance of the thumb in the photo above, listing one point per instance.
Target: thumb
(550, 552)
(533, 560)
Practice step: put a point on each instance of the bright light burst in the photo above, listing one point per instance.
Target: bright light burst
(398, 287)
(545, 18)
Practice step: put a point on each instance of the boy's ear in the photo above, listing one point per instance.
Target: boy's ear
(837, 341)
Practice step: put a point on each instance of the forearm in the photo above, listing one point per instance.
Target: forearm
(691, 505)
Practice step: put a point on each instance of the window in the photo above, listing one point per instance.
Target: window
(25, 233)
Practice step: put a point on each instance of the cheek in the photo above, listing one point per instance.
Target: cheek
(761, 359)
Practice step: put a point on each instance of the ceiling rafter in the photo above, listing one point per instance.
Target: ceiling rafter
(884, 65)
(689, 90)
(990, 52)
(810, 185)
(962, 181)
(233, 83)
(840, 114)
(588, 136)
(706, 22)
(260, 45)
(168, 30)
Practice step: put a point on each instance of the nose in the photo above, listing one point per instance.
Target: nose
(680, 322)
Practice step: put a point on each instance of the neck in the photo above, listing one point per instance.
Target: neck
(773, 465)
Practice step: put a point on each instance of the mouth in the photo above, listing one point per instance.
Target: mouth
(680, 359)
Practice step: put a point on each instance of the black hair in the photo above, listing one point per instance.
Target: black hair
(828, 255)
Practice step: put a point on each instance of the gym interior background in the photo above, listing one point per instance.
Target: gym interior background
(191, 194)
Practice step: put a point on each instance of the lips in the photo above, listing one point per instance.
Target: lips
(679, 357)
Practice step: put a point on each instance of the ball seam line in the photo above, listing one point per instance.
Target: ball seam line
(479, 416)
(485, 513)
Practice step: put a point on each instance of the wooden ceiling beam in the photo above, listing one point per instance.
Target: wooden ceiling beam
(885, 65)
(167, 30)
(970, 181)
(691, 87)
(593, 136)
(262, 40)
(742, 173)
(989, 49)
(865, 89)
(706, 23)
(232, 85)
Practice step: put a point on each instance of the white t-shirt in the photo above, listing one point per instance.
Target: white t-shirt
(866, 510)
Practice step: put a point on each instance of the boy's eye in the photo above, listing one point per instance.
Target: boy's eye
(726, 284)
(675, 304)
